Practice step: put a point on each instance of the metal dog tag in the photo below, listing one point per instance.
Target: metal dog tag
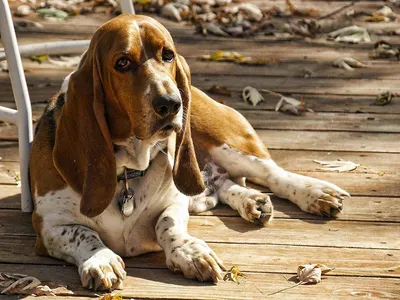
(127, 202)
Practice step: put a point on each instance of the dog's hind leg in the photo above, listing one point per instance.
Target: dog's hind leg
(310, 194)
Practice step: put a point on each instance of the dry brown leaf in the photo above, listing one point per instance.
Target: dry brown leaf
(220, 90)
(306, 12)
(23, 284)
(312, 273)
(233, 274)
(385, 98)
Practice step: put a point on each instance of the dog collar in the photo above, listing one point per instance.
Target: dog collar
(130, 174)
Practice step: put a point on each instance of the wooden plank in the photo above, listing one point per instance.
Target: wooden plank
(371, 163)
(287, 67)
(236, 230)
(311, 121)
(335, 86)
(150, 283)
(318, 103)
(249, 258)
(330, 141)
(324, 121)
(10, 196)
(355, 208)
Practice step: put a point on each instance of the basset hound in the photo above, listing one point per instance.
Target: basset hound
(129, 147)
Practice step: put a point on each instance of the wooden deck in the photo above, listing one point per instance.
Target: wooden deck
(362, 244)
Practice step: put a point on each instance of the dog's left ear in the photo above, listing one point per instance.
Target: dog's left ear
(186, 171)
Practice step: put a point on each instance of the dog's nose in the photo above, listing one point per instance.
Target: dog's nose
(167, 105)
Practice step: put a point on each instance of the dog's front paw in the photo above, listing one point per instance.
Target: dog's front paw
(256, 207)
(104, 270)
(195, 259)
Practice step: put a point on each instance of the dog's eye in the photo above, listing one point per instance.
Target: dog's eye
(123, 64)
(168, 55)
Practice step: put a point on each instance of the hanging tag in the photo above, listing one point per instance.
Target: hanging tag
(127, 202)
(127, 198)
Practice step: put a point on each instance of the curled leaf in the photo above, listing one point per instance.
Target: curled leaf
(252, 10)
(23, 284)
(348, 63)
(312, 273)
(352, 34)
(337, 165)
(214, 29)
(233, 274)
(383, 49)
(292, 106)
(171, 12)
(385, 98)
(251, 95)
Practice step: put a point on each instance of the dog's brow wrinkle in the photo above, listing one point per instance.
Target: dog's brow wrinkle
(137, 28)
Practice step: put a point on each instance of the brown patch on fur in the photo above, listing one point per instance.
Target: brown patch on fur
(37, 222)
(214, 124)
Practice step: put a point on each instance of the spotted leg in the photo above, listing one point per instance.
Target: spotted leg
(184, 253)
(99, 267)
(310, 194)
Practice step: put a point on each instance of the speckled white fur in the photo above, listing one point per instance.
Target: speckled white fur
(310, 194)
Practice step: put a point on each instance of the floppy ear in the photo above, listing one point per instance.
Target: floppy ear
(186, 172)
(83, 151)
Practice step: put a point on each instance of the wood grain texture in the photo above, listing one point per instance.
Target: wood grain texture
(153, 283)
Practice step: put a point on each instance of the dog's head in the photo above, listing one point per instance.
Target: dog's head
(131, 83)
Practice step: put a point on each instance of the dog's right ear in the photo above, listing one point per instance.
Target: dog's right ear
(83, 151)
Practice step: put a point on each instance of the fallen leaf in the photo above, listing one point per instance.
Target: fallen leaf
(312, 273)
(250, 95)
(220, 90)
(348, 63)
(65, 61)
(214, 29)
(252, 10)
(352, 34)
(112, 296)
(171, 12)
(383, 49)
(385, 98)
(39, 58)
(23, 10)
(292, 106)
(230, 56)
(25, 285)
(337, 165)
(307, 28)
(52, 13)
(233, 274)
(308, 274)
(306, 12)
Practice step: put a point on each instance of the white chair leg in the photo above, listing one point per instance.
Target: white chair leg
(21, 96)
(127, 7)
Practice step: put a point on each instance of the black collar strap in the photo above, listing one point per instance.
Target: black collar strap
(131, 174)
